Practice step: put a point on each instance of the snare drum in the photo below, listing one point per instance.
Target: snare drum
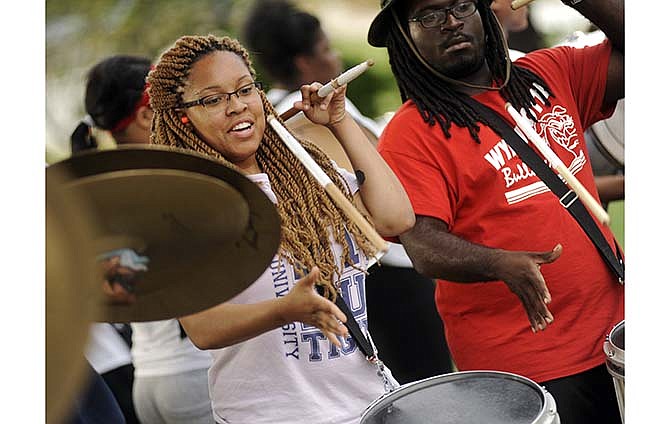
(605, 142)
(466, 397)
(614, 350)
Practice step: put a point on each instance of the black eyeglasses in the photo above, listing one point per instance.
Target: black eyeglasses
(438, 17)
(217, 101)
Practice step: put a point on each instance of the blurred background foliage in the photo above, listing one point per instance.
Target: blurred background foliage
(81, 33)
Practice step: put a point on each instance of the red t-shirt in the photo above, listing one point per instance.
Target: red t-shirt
(486, 195)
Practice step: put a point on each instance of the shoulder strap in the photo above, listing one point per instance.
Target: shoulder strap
(567, 197)
(355, 330)
(352, 325)
(365, 345)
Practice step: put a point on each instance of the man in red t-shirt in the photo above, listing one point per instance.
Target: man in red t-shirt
(504, 250)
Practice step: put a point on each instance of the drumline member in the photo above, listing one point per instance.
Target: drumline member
(292, 47)
(115, 103)
(169, 384)
(114, 86)
(280, 351)
(486, 224)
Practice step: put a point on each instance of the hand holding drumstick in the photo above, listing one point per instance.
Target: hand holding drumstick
(341, 80)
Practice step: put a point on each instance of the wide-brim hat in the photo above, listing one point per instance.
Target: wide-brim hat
(379, 28)
(380, 25)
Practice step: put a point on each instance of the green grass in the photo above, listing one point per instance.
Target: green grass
(616, 212)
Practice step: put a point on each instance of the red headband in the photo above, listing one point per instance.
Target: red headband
(144, 101)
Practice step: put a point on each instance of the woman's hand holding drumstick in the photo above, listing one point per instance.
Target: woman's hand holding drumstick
(341, 80)
(325, 110)
(345, 78)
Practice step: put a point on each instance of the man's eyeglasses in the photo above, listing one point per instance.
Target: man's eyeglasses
(218, 101)
(438, 17)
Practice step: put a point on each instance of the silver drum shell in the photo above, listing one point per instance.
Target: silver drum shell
(393, 407)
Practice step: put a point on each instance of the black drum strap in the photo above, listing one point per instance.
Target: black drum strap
(352, 325)
(355, 330)
(363, 342)
(126, 333)
(182, 332)
(567, 197)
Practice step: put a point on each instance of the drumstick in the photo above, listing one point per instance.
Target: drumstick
(342, 79)
(345, 78)
(517, 4)
(589, 201)
(335, 194)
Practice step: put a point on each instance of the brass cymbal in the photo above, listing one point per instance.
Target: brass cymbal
(208, 231)
(73, 296)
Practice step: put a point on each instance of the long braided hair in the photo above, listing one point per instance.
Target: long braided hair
(309, 217)
(438, 101)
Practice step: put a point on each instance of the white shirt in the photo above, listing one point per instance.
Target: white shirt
(106, 349)
(293, 374)
(159, 349)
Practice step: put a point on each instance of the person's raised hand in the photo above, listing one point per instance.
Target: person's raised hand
(305, 305)
(521, 272)
(328, 110)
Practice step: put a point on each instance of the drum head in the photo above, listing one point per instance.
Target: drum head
(614, 351)
(606, 143)
(463, 398)
(617, 336)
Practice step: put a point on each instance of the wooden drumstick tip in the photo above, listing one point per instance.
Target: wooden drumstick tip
(370, 62)
(518, 4)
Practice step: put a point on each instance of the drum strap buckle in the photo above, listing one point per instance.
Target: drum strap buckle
(364, 343)
(568, 199)
(388, 386)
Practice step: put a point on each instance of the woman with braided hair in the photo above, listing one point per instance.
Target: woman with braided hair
(280, 351)
(502, 247)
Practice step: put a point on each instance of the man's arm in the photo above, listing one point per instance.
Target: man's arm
(610, 187)
(436, 253)
(608, 15)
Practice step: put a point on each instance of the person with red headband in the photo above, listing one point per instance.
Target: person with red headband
(167, 381)
(117, 101)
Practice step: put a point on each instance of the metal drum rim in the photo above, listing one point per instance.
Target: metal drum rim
(546, 415)
(614, 353)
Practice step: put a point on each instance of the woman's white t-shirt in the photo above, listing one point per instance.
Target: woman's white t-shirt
(293, 374)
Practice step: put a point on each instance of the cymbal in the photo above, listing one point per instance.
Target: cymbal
(72, 298)
(209, 231)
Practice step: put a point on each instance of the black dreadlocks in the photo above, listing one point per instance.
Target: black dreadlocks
(437, 101)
